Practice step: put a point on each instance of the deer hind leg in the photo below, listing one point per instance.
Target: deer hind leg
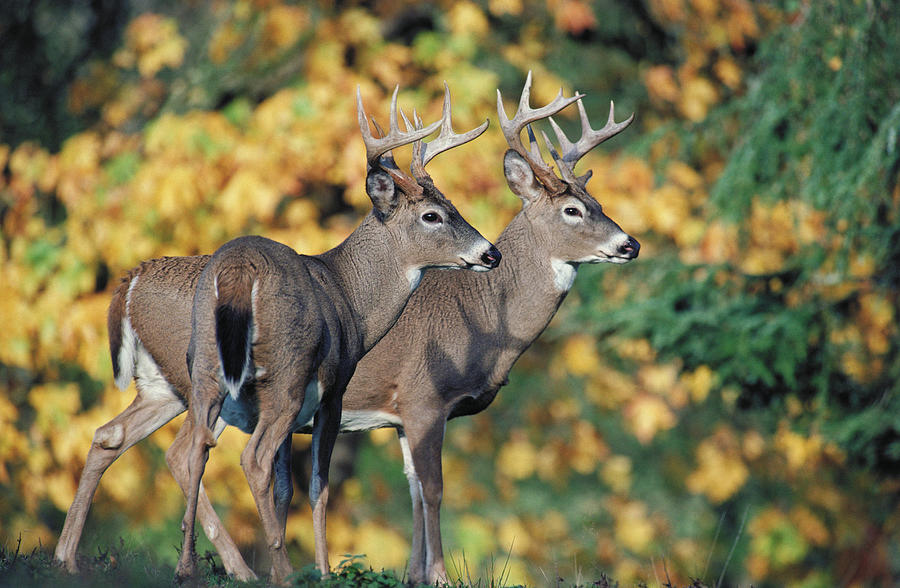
(417, 552)
(277, 415)
(283, 488)
(148, 412)
(212, 525)
(206, 404)
(425, 443)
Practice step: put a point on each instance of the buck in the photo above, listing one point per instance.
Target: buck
(279, 333)
(452, 348)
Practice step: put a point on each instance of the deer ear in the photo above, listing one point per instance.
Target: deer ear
(381, 189)
(520, 177)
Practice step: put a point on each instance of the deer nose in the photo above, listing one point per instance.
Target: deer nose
(492, 257)
(630, 248)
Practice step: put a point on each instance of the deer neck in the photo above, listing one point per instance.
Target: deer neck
(528, 281)
(376, 286)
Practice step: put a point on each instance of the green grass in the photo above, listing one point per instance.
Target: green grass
(122, 566)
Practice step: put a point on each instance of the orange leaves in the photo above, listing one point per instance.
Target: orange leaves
(575, 17)
(715, 34)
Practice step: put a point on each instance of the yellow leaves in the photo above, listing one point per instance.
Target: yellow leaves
(634, 529)
(876, 319)
(466, 18)
(54, 403)
(648, 414)
(580, 355)
(719, 244)
(225, 40)
(247, 195)
(152, 42)
(800, 452)
(513, 534)
(383, 546)
(661, 84)
(720, 470)
(670, 211)
(283, 26)
(503, 7)
(587, 448)
(517, 457)
(698, 94)
(699, 383)
(728, 72)
(616, 473)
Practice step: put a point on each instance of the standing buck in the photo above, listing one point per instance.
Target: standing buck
(447, 355)
(455, 343)
(279, 333)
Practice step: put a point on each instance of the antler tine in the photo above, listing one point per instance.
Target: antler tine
(375, 148)
(590, 138)
(525, 115)
(447, 139)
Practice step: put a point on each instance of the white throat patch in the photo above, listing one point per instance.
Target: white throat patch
(414, 275)
(563, 274)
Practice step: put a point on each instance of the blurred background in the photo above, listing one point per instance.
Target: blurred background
(726, 406)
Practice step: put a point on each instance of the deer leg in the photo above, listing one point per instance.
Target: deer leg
(425, 443)
(283, 488)
(325, 432)
(205, 406)
(212, 525)
(417, 552)
(257, 459)
(144, 415)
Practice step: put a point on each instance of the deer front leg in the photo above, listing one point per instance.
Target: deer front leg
(325, 432)
(417, 552)
(142, 417)
(425, 441)
(176, 458)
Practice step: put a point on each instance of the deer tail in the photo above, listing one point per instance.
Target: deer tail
(123, 340)
(236, 291)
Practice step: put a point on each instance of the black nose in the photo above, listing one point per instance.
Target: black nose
(630, 249)
(492, 257)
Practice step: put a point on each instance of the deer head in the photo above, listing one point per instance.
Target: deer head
(568, 220)
(416, 212)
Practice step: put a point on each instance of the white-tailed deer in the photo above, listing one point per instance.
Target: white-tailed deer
(279, 332)
(448, 354)
(452, 348)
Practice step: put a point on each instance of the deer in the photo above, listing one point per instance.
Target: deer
(453, 347)
(277, 333)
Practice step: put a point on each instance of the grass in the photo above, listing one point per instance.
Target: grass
(120, 566)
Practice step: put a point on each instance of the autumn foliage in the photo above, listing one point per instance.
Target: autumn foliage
(735, 388)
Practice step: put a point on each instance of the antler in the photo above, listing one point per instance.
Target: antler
(424, 152)
(525, 115)
(375, 148)
(590, 138)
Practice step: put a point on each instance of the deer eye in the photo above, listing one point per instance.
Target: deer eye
(432, 218)
(572, 211)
